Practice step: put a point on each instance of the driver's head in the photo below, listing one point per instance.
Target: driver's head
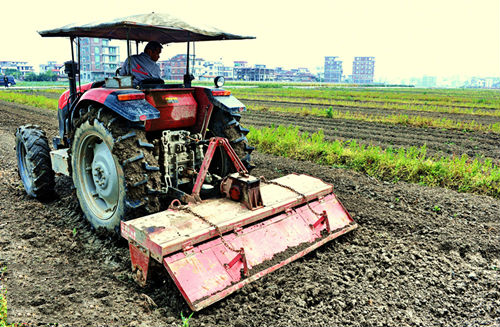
(153, 49)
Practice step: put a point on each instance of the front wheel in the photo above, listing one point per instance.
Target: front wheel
(33, 161)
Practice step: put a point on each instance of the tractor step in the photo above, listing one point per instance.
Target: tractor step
(206, 267)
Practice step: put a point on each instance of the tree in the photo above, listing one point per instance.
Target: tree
(30, 77)
(13, 72)
(48, 76)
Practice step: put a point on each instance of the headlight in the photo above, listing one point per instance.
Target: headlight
(219, 81)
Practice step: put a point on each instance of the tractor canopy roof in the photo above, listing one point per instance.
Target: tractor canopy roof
(163, 28)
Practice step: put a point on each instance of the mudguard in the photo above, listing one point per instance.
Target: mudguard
(132, 110)
(227, 103)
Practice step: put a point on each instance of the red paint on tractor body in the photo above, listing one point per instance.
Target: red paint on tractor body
(97, 94)
(203, 110)
(63, 99)
(177, 108)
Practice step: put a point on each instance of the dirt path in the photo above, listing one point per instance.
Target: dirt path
(422, 256)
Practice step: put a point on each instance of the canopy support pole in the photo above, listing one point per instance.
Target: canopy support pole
(128, 52)
(187, 76)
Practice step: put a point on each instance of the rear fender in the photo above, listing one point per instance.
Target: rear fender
(131, 110)
(227, 103)
(64, 114)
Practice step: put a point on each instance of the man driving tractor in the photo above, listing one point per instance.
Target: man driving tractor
(143, 66)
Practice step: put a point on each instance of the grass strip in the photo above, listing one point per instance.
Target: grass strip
(381, 105)
(463, 98)
(400, 119)
(3, 299)
(411, 165)
(3, 307)
(30, 100)
(35, 91)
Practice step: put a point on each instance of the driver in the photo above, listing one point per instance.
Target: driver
(143, 65)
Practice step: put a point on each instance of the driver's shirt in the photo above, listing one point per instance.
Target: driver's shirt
(143, 67)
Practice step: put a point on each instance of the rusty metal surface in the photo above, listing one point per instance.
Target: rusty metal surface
(139, 258)
(165, 232)
(212, 146)
(210, 271)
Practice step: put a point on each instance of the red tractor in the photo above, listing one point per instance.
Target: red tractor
(134, 152)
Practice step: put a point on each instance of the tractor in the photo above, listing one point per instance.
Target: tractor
(167, 167)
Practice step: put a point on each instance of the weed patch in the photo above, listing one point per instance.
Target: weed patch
(30, 100)
(413, 165)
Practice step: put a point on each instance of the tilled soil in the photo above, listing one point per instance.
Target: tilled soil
(421, 257)
(439, 142)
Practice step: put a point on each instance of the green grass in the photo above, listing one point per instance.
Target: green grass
(41, 84)
(383, 105)
(3, 298)
(30, 100)
(3, 307)
(373, 97)
(449, 101)
(411, 165)
(185, 320)
(51, 90)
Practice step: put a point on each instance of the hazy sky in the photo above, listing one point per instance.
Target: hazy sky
(406, 37)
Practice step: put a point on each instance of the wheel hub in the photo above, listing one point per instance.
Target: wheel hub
(99, 172)
(99, 177)
(104, 174)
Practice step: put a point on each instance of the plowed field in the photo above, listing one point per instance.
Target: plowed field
(421, 256)
(439, 141)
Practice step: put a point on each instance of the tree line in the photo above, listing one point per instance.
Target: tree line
(48, 76)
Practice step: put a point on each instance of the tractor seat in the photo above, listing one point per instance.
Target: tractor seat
(97, 84)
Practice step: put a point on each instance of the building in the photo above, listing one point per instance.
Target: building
(201, 69)
(98, 59)
(178, 67)
(363, 69)
(429, 81)
(165, 71)
(53, 66)
(333, 70)
(257, 73)
(294, 75)
(240, 63)
(483, 82)
(228, 72)
(21, 66)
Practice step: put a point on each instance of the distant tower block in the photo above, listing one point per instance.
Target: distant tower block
(333, 70)
(363, 69)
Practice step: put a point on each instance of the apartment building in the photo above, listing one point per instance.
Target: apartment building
(256, 73)
(363, 69)
(333, 70)
(53, 66)
(177, 67)
(21, 66)
(98, 59)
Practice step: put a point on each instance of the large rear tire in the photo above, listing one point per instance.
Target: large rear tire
(225, 124)
(33, 161)
(113, 169)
